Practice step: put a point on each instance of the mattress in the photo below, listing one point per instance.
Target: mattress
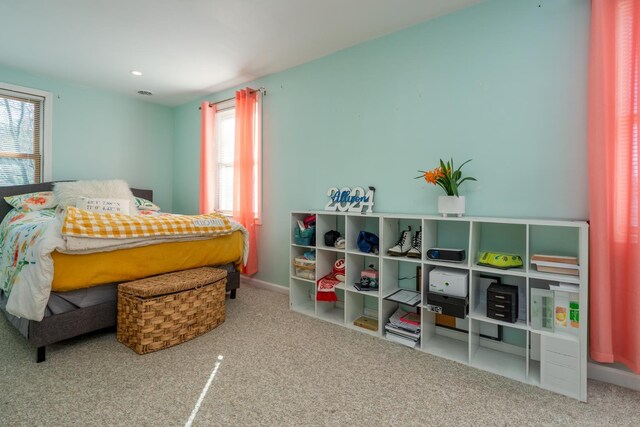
(77, 271)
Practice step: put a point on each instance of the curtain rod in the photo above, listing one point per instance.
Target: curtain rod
(261, 89)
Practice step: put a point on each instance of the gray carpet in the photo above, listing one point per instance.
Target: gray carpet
(279, 368)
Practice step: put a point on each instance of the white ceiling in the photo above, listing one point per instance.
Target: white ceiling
(190, 48)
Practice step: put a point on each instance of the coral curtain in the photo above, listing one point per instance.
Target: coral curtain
(246, 181)
(614, 182)
(207, 157)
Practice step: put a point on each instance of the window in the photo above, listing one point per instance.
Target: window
(225, 145)
(25, 135)
(224, 151)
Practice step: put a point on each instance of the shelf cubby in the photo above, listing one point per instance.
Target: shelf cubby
(554, 240)
(357, 305)
(295, 217)
(507, 357)
(332, 311)
(393, 274)
(387, 310)
(480, 282)
(562, 333)
(508, 238)
(443, 342)
(325, 260)
(302, 296)
(355, 264)
(356, 224)
(392, 228)
(326, 222)
(445, 234)
(298, 251)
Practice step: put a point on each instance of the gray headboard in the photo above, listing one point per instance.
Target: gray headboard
(47, 186)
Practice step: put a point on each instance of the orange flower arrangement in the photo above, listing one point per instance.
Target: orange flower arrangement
(432, 176)
(446, 177)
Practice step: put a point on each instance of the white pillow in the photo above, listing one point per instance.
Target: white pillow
(119, 206)
(67, 193)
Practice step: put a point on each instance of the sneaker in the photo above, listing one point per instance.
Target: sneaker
(404, 244)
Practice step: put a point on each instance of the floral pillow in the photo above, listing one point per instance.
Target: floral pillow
(145, 205)
(33, 201)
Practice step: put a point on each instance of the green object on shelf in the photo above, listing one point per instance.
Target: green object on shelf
(574, 314)
(498, 260)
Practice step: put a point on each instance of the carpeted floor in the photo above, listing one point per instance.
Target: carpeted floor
(279, 368)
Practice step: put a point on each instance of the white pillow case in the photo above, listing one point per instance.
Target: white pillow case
(67, 193)
(146, 205)
(119, 206)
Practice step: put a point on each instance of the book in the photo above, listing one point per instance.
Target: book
(555, 264)
(402, 340)
(555, 259)
(411, 318)
(402, 332)
(395, 321)
(367, 323)
(558, 270)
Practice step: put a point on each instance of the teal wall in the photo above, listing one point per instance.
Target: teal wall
(101, 135)
(503, 83)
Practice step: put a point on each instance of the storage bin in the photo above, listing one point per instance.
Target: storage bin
(162, 311)
(304, 237)
(446, 304)
(305, 268)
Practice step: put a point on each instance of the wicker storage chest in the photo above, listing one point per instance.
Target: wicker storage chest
(162, 311)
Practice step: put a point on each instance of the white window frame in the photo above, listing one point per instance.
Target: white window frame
(46, 147)
(220, 108)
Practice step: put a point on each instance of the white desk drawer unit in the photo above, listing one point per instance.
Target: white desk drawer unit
(560, 365)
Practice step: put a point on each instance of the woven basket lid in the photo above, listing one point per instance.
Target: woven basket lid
(173, 282)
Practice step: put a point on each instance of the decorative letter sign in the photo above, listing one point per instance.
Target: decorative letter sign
(348, 200)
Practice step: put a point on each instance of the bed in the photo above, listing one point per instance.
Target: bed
(73, 308)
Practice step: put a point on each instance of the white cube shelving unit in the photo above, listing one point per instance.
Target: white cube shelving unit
(555, 361)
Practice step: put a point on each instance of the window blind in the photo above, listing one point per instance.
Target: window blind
(20, 140)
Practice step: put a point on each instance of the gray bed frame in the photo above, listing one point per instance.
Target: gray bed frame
(59, 327)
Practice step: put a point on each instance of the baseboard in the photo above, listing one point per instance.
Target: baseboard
(611, 375)
(264, 285)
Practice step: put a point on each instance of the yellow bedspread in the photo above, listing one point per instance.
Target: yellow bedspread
(82, 271)
(81, 223)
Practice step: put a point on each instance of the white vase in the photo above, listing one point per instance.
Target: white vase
(453, 205)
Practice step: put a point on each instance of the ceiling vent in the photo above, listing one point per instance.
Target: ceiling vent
(145, 93)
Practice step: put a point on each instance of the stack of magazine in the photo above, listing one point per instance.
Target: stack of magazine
(404, 328)
(556, 264)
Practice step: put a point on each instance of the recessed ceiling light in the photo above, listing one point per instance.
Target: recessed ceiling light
(145, 93)
(136, 72)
